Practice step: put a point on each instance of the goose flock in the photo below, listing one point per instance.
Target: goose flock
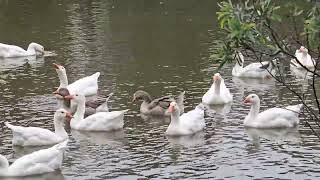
(81, 105)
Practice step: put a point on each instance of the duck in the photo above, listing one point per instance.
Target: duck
(35, 136)
(38, 162)
(218, 92)
(159, 106)
(287, 117)
(188, 123)
(34, 49)
(264, 70)
(100, 121)
(304, 58)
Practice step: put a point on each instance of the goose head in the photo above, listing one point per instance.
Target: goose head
(78, 98)
(62, 74)
(217, 78)
(251, 99)
(62, 114)
(141, 96)
(303, 50)
(173, 108)
(61, 93)
(39, 49)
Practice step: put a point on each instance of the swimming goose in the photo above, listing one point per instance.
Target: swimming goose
(218, 92)
(87, 86)
(7, 50)
(304, 58)
(253, 70)
(100, 121)
(97, 104)
(38, 162)
(35, 136)
(271, 118)
(186, 124)
(157, 106)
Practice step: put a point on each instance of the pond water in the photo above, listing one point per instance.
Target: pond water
(162, 47)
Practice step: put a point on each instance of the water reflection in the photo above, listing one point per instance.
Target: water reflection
(19, 62)
(56, 175)
(253, 84)
(187, 141)
(112, 138)
(275, 135)
(218, 109)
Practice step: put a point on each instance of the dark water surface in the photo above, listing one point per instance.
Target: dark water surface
(162, 47)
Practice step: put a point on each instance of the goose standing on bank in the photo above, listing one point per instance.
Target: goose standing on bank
(159, 106)
(253, 70)
(7, 51)
(35, 136)
(38, 162)
(271, 118)
(188, 123)
(218, 92)
(100, 121)
(304, 58)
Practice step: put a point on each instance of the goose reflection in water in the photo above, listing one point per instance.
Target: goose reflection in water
(275, 135)
(112, 138)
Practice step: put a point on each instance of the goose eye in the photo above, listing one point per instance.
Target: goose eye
(252, 96)
(62, 112)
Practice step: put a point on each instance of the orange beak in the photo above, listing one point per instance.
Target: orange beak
(171, 109)
(247, 101)
(301, 50)
(69, 115)
(56, 66)
(69, 97)
(215, 78)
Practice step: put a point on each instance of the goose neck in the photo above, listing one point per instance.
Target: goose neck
(59, 128)
(4, 165)
(175, 117)
(217, 87)
(254, 111)
(63, 79)
(79, 114)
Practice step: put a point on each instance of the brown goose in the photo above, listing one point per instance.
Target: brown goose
(157, 106)
(98, 104)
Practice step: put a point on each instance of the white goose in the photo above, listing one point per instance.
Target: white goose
(38, 162)
(100, 121)
(218, 92)
(304, 58)
(87, 86)
(35, 136)
(7, 50)
(253, 70)
(271, 118)
(186, 124)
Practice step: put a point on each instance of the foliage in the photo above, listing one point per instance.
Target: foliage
(254, 27)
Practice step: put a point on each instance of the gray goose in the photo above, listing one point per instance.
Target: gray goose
(159, 106)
